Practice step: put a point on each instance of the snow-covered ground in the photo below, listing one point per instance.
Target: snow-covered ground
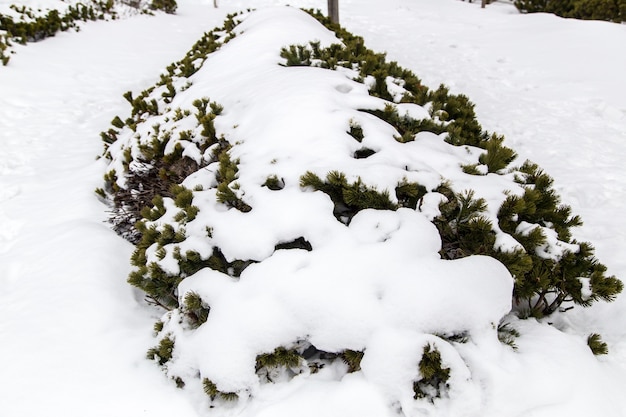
(73, 334)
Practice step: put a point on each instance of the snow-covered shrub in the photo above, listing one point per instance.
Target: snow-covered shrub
(168, 6)
(550, 268)
(316, 217)
(611, 10)
(24, 24)
(4, 45)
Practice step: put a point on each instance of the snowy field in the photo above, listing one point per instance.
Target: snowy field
(73, 334)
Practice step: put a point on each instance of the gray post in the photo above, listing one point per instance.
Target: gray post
(333, 10)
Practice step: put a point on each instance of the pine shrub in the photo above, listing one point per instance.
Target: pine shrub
(154, 210)
(610, 10)
(33, 25)
(543, 283)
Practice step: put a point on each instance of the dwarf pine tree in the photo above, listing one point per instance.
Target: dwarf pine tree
(173, 172)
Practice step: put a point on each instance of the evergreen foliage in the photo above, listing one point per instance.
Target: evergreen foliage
(452, 114)
(163, 352)
(463, 227)
(497, 157)
(349, 199)
(356, 131)
(33, 26)
(168, 6)
(433, 382)
(274, 183)
(542, 282)
(282, 360)
(410, 194)
(546, 281)
(196, 311)
(352, 358)
(213, 392)
(610, 10)
(157, 161)
(160, 285)
(507, 335)
(154, 210)
(597, 346)
(227, 187)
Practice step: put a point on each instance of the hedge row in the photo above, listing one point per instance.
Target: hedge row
(32, 26)
(610, 10)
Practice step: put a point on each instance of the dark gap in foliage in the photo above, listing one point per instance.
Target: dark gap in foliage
(299, 243)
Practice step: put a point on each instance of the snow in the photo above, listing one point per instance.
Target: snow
(74, 334)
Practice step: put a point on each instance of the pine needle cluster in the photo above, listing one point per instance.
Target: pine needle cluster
(507, 335)
(353, 359)
(195, 310)
(163, 351)
(597, 346)
(210, 389)
(286, 362)
(433, 382)
(227, 186)
(270, 366)
(274, 183)
(462, 225)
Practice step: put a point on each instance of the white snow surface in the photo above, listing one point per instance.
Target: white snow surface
(74, 333)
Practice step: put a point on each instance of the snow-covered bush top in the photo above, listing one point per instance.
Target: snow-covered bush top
(305, 208)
